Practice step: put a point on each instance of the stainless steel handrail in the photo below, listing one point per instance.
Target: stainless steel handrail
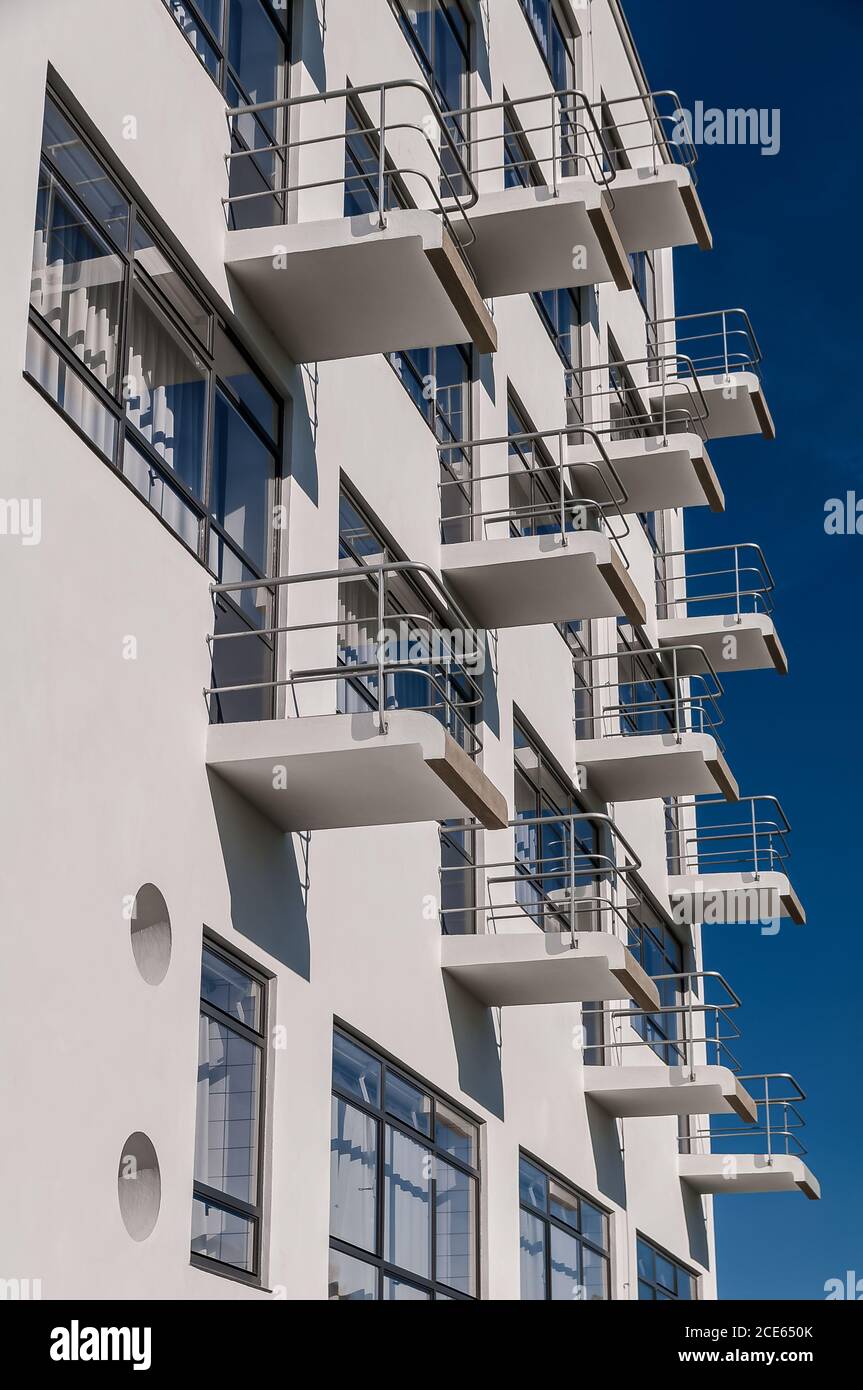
(380, 668)
(728, 345)
(567, 887)
(750, 585)
(780, 1134)
(713, 1043)
(743, 839)
(565, 505)
(694, 711)
(670, 402)
(460, 203)
(656, 118)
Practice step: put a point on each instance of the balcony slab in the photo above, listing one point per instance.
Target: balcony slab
(348, 288)
(639, 1092)
(756, 645)
(656, 475)
(648, 766)
(546, 968)
(331, 771)
(726, 898)
(714, 1175)
(736, 404)
(653, 210)
(523, 580)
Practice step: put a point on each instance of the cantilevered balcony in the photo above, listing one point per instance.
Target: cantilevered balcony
(674, 1060)
(644, 731)
(656, 201)
(717, 600)
(363, 707)
(349, 223)
(720, 352)
(729, 863)
(728, 1158)
(550, 921)
(523, 544)
(659, 453)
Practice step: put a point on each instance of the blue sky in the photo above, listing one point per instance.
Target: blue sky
(784, 249)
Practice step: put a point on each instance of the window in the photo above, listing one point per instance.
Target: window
(660, 1277)
(438, 381)
(555, 40)
(644, 283)
(226, 1205)
(659, 953)
(535, 483)
(578, 637)
(439, 32)
(617, 158)
(458, 880)
(520, 167)
(441, 686)
(404, 1179)
(123, 344)
(244, 46)
(562, 316)
(362, 162)
(628, 417)
(563, 1240)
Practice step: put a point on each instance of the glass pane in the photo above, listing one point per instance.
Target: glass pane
(351, 1280)
(223, 1235)
(685, 1286)
(166, 393)
(455, 1135)
(645, 1260)
(255, 604)
(230, 989)
(356, 1071)
(407, 1204)
(565, 1274)
(243, 486)
(532, 1255)
(665, 1273)
(238, 661)
(594, 1274)
(594, 1224)
(195, 35)
(226, 1129)
(407, 1102)
(171, 283)
(532, 1186)
(564, 1205)
(256, 54)
(353, 1176)
(77, 282)
(85, 174)
(234, 369)
(645, 1292)
(74, 397)
(397, 1291)
(455, 1228)
(160, 494)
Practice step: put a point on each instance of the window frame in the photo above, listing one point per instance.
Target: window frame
(254, 1212)
(385, 1269)
(137, 279)
(552, 1222)
(679, 1268)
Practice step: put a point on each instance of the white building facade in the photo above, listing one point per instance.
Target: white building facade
(364, 780)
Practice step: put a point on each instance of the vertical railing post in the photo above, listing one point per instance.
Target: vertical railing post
(571, 883)
(382, 157)
(768, 1126)
(560, 470)
(677, 730)
(754, 839)
(725, 341)
(382, 716)
(555, 130)
(664, 397)
(690, 1027)
(737, 580)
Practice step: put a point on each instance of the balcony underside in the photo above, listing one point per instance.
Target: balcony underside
(655, 210)
(713, 1175)
(545, 968)
(527, 239)
(523, 580)
(644, 767)
(347, 288)
(639, 1092)
(735, 403)
(655, 476)
(331, 771)
(726, 898)
(748, 644)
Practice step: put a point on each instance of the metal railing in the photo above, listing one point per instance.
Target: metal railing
(732, 580)
(651, 123)
(696, 1031)
(566, 874)
(570, 132)
(648, 695)
(655, 396)
(713, 836)
(717, 342)
(369, 671)
(387, 182)
(778, 1125)
(552, 506)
